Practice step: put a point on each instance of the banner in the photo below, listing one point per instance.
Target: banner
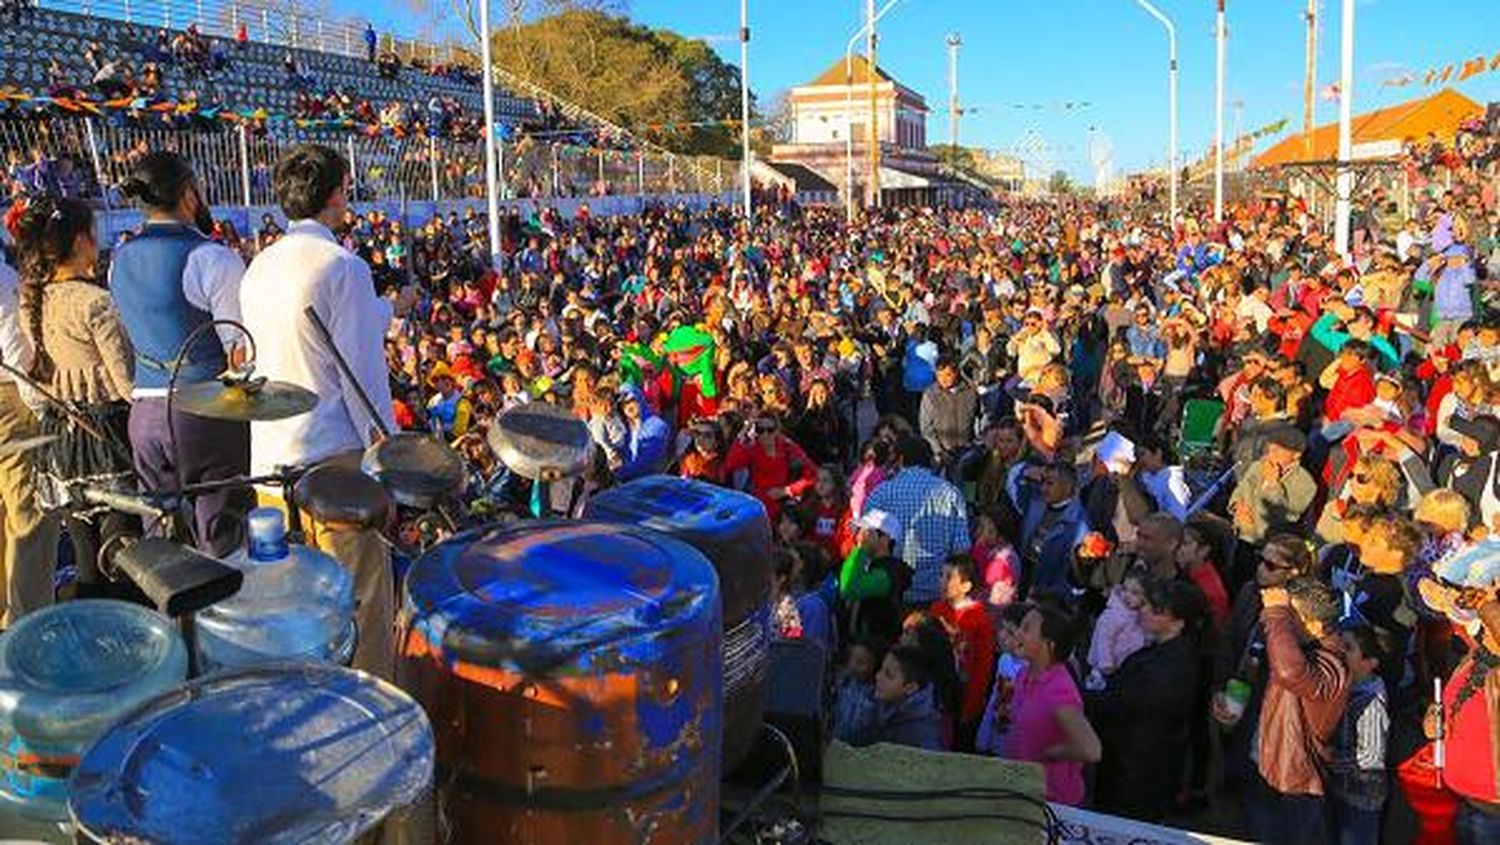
(1450, 72)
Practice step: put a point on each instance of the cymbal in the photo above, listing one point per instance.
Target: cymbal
(245, 401)
(25, 444)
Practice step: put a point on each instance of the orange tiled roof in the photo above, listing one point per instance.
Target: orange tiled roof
(1442, 113)
(861, 70)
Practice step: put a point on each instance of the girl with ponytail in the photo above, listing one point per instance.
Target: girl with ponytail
(83, 358)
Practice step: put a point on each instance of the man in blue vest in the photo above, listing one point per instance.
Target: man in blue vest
(168, 281)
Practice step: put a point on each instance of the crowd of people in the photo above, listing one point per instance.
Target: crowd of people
(1064, 481)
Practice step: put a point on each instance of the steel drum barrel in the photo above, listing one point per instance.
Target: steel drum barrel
(731, 529)
(278, 754)
(572, 674)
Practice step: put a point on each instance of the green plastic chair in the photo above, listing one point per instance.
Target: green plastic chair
(1200, 418)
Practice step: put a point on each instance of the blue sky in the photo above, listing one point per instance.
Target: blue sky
(1109, 53)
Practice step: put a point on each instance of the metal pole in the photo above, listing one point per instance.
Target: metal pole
(491, 136)
(1310, 80)
(1172, 175)
(556, 178)
(166, 14)
(432, 158)
(98, 160)
(849, 105)
(874, 150)
(245, 166)
(265, 24)
(127, 12)
(600, 155)
(640, 172)
(1346, 138)
(1219, 37)
(353, 170)
(199, 21)
(955, 41)
(322, 41)
(745, 101)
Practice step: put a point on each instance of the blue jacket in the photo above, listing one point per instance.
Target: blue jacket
(1052, 551)
(913, 721)
(646, 448)
(917, 367)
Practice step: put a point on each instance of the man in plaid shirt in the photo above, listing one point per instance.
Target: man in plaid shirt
(934, 514)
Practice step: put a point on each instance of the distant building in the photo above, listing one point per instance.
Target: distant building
(828, 115)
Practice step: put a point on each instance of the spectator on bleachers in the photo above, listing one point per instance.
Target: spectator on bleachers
(371, 42)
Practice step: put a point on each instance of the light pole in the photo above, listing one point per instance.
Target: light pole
(1172, 103)
(867, 26)
(1219, 37)
(1346, 136)
(954, 42)
(745, 100)
(491, 165)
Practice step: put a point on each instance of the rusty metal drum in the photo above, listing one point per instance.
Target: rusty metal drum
(731, 529)
(572, 674)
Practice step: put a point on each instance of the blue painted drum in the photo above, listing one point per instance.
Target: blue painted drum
(66, 673)
(281, 754)
(572, 671)
(730, 528)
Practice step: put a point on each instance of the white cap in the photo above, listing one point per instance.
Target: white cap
(878, 520)
(1116, 452)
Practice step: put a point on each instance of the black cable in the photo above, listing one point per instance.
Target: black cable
(1050, 824)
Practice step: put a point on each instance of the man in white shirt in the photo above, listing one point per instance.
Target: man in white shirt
(309, 267)
(168, 282)
(28, 553)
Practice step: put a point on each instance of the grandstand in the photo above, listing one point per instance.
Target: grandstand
(255, 76)
(255, 61)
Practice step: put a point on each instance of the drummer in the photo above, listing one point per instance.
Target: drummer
(309, 267)
(167, 282)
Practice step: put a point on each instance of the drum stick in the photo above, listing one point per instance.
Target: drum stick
(338, 358)
(66, 408)
(1439, 749)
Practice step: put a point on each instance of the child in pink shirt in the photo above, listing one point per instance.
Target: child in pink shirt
(1118, 633)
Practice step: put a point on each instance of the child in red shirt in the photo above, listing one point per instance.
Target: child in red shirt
(973, 632)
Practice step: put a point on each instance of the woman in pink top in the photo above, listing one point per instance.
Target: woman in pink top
(1047, 724)
(868, 475)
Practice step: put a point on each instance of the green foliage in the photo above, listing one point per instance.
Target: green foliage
(654, 82)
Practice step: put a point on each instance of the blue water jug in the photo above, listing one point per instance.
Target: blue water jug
(66, 674)
(296, 603)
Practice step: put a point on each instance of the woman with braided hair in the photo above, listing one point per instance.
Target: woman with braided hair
(83, 357)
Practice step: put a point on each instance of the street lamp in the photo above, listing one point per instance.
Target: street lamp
(491, 165)
(1346, 135)
(859, 33)
(745, 100)
(1172, 102)
(1219, 35)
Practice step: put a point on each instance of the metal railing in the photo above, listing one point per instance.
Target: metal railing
(282, 23)
(89, 158)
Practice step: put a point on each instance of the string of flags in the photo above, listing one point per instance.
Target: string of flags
(1452, 72)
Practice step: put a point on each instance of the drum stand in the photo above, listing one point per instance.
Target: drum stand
(760, 799)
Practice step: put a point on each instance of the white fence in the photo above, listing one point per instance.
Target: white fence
(89, 157)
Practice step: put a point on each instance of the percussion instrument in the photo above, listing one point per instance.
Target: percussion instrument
(26, 444)
(245, 400)
(730, 528)
(271, 755)
(416, 469)
(572, 672)
(542, 442)
(67, 672)
(343, 497)
(295, 603)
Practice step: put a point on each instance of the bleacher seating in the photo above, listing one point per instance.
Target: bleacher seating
(255, 79)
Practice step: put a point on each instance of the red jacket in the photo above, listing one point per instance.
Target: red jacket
(974, 644)
(790, 467)
(1352, 389)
